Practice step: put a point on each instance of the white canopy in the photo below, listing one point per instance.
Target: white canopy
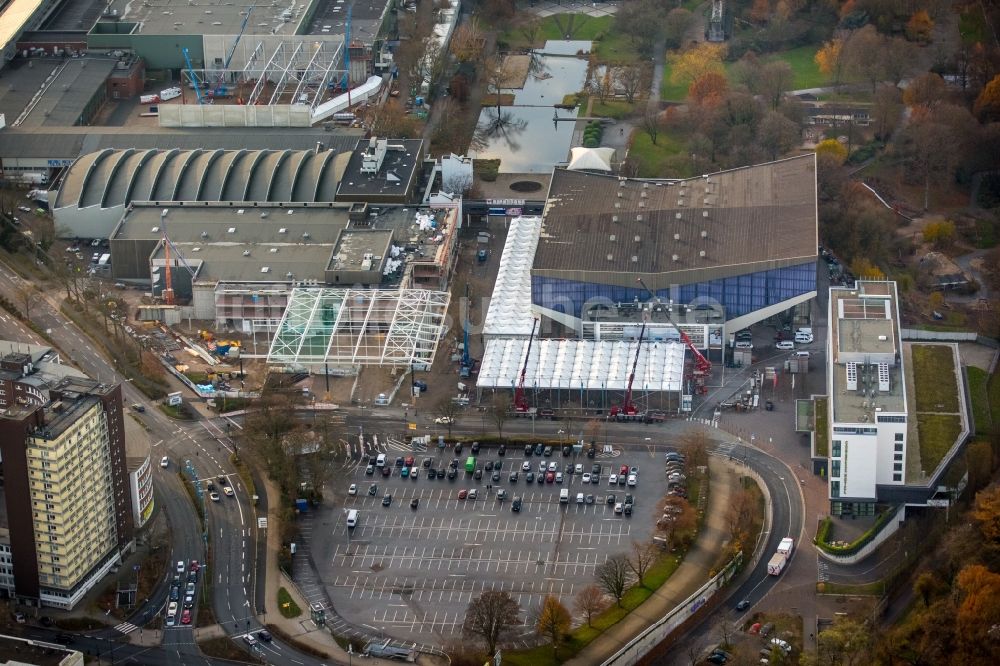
(582, 364)
(510, 307)
(591, 159)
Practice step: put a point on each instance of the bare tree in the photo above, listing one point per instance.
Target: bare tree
(447, 410)
(629, 80)
(496, 77)
(488, 615)
(652, 122)
(612, 576)
(642, 557)
(694, 443)
(600, 86)
(27, 297)
(590, 601)
(499, 410)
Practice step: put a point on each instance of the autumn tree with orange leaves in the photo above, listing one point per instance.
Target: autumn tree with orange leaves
(708, 90)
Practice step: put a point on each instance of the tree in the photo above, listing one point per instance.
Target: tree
(845, 643)
(642, 557)
(600, 85)
(694, 442)
(531, 31)
(777, 134)
(987, 513)
(467, 42)
(940, 234)
(629, 80)
(688, 65)
(708, 90)
(928, 149)
(499, 411)
(864, 53)
(775, 78)
(641, 21)
(488, 615)
(760, 11)
(865, 269)
(987, 106)
(886, 110)
(590, 601)
(496, 77)
(979, 611)
(676, 25)
(652, 122)
(458, 87)
(447, 410)
(27, 297)
(553, 621)
(829, 60)
(832, 148)
(979, 461)
(391, 120)
(612, 576)
(919, 27)
(926, 90)
(926, 586)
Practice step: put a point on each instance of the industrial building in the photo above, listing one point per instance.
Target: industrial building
(874, 423)
(95, 191)
(67, 507)
(237, 265)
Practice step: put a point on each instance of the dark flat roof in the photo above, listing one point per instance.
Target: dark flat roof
(727, 220)
(393, 176)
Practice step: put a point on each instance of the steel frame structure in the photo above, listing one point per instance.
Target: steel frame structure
(306, 65)
(352, 327)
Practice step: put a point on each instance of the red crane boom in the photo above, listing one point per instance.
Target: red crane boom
(702, 365)
(628, 408)
(520, 402)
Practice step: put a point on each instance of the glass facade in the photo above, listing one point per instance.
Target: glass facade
(739, 295)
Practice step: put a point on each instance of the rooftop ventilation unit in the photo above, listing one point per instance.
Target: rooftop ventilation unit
(283, 230)
(645, 186)
(240, 211)
(638, 238)
(163, 213)
(231, 230)
(291, 212)
(642, 204)
(204, 234)
(305, 235)
(273, 250)
(246, 253)
(289, 275)
(638, 218)
(612, 238)
(708, 201)
(635, 259)
(618, 204)
(620, 195)
(852, 376)
(621, 182)
(643, 194)
(155, 230)
(680, 202)
(614, 218)
(611, 257)
(677, 237)
(704, 233)
(264, 213)
(701, 254)
(704, 213)
(196, 249)
(676, 257)
(265, 269)
(677, 216)
(883, 378)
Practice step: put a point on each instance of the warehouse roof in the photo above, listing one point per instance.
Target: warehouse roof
(207, 225)
(14, 19)
(112, 178)
(171, 17)
(64, 98)
(266, 262)
(395, 162)
(354, 244)
(759, 214)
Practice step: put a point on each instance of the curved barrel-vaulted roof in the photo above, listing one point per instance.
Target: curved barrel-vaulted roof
(98, 187)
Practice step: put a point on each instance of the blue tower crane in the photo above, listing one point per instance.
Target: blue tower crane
(232, 50)
(194, 78)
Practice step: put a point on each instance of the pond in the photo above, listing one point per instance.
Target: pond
(524, 136)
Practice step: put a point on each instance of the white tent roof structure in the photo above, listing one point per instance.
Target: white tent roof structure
(509, 313)
(591, 159)
(582, 364)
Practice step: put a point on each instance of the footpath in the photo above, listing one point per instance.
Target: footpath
(690, 575)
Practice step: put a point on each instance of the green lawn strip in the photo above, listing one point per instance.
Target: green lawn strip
(822, 431)
(654, 159)
(933, 373)
(805, 73)
(980, 399)
(937, 434)
(287, 605)
(615, 46)
(866, 590)
(670, 91)
(972, 25)
(993, 389)
(611, 109)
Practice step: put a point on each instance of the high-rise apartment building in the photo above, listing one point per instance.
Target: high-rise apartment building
(66, 490)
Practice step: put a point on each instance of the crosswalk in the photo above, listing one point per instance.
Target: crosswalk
(126, 627)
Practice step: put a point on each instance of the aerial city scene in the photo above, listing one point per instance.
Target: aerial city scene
(504, 332)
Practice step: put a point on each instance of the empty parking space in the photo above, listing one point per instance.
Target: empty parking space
(410, 570)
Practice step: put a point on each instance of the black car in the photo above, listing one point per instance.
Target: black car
(440, 473)
(502, 450)
(64, 639)
(629, 500)
(497, 465)
(414, 502)
(458, 449)
(743, 605)
(566, 450)
(210, 486)
(400, 461)
(628, 509)
(175, 594)
(513, 477)
(489, 465)
(528, 448)
(569, 468)
(591, 452)
(264, 635)
(373, 489)
(221, 479)
(428, 461)
(529, 477)
(595, 468)
(547, 451)
(515, 506)
(610, 499)
(387, 500)
(540, 478)
(539, 449)
(475, 448)
(479, 474)
(452, 474)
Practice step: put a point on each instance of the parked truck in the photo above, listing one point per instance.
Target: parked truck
(35, 177)
(169, 93)
(786, 546)
(777, 564)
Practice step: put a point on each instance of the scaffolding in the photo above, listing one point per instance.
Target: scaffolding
(352, 327)
(300, 71)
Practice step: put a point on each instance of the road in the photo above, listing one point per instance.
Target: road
(232, 521)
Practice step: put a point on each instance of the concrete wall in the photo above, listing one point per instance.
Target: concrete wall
(234, 115)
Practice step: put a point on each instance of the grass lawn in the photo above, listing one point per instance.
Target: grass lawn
(805, 72)
(654, 159)
(972, 25)
(822, 428)
(669, 91)
(611, 109)
(933, 378)
(287, 605)
(937, 434)
(993, 390)
(980, 399)
(558, 26)
(616, 47)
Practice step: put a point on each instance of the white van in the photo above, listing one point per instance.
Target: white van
(801, 337)
(564, 496)
(380, 461)
(579, 498)
(352, 518)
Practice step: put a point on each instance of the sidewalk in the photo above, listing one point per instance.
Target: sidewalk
(690, 575)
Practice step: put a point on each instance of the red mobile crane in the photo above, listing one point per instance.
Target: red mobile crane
(628, 409)
(702, 366)
(520, 402)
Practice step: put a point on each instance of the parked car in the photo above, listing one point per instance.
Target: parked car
(353, 490)
(785, 345)
(387, 500)
(444, 420)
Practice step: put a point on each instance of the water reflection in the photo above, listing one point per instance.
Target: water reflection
(524, 136)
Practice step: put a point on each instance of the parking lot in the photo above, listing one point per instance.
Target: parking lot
(408, 571)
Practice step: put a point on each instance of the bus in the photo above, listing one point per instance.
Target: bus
(470, 464)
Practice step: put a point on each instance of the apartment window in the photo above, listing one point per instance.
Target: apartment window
(835, 469)
(835, 489)
(836, 448)
(899, 437)
(892, 419)
(897, 477)
(897, 467)
(897, 457)
(899, 448)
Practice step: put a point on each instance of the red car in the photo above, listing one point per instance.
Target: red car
(624, 470)
(386, 471)
(462, 494)
(186, 616)
(408, 462)
(194, 566)
(550, 477)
